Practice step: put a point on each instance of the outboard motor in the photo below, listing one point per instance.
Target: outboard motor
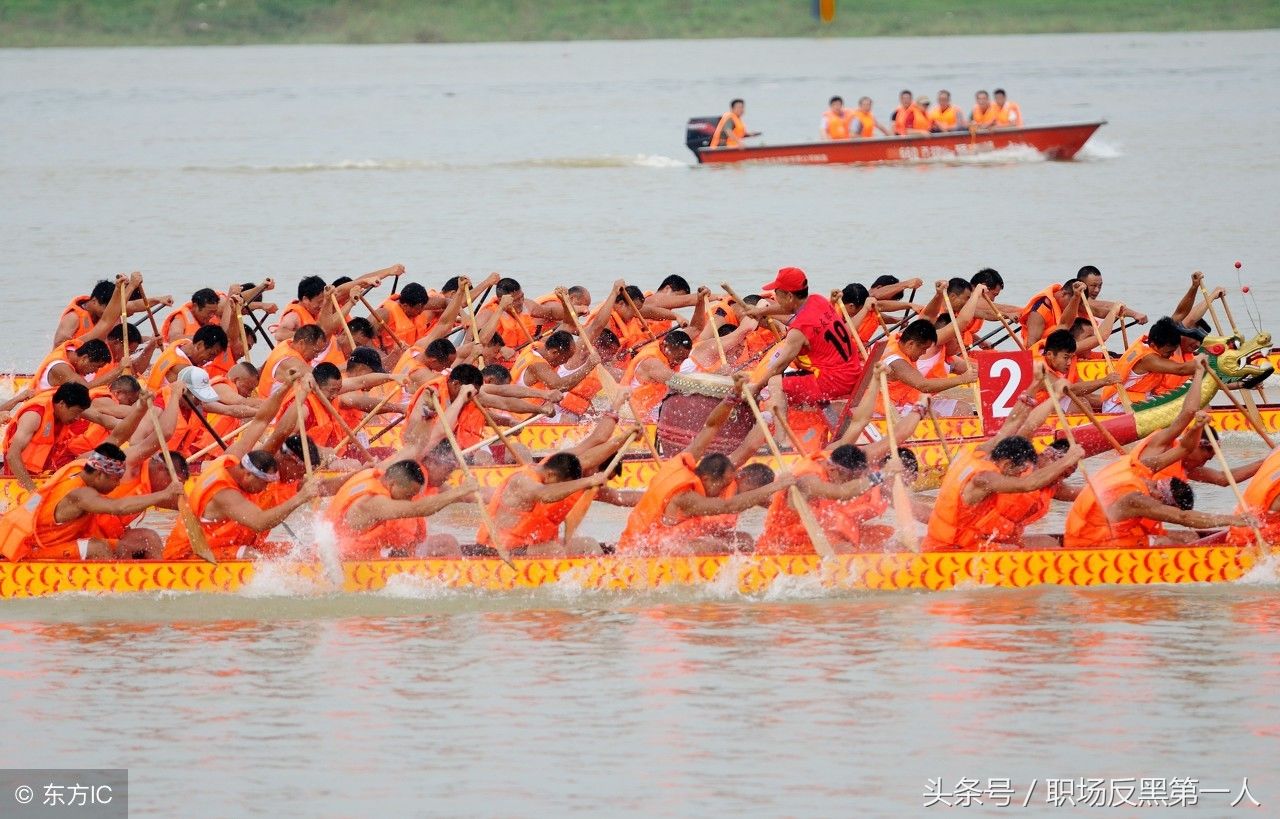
(698, 132)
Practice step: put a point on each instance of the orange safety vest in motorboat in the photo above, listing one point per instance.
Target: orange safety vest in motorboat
(836, 126)
(647, 528)
(172, 360)
(400, 534)
(866, 124)
(730, 136)
(646, 396)
(943, 120)
(400, 325)
(910, 120)
(1009, 114)
(48, 447)
(541, 524)
(1259, 498)
(954, 525)
(1088, 525)
(84, 319)
(1046, 304)
(1138, 386)
(984, 119)
(227, 538)
(30, 529)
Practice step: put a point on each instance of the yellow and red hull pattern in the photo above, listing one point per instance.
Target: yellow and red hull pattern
(937, 571)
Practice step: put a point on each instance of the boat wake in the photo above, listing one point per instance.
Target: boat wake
(401, 165)
(1097, 150)
(1012, 155)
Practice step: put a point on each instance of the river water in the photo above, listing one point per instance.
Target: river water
(564, 162)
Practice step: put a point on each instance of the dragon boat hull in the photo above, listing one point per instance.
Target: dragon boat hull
(934, 571)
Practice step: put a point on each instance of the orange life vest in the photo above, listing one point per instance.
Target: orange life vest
(1088, 525)
(1138, 386)
(647, 528)
(1046, 304)
(1259, 498)
(226, 537)
(267, 373)
(984, 119)
(1009, 114)
(84, 319)
(190, 325)
(1018, 510)
(955, 525)
(645, 395)
(541, 524)
(320, 423)
(910, 120)
(30, 528)
(900, 392)
(60, 354)
(172, 360)
(836, 126)
(471, 423)
(401, 534)
(513, 331)
(866, 124)
(944, 120)
(729, 131)
(48, 447)
(400, 325)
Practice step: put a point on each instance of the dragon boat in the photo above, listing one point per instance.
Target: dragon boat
(746, 574)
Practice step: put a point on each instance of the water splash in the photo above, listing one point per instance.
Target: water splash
(1096, 150)
(1266, 572)
(397, 165)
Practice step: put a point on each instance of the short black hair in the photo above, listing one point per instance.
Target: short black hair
(413, 295)
(310, 287)
(560, 341)
(180, 467)
(848, 456)
(211, 336)
(565, 465)
(636, 294)
(293, 445)
(103, 292)
(204, 297)
(735, 101)
(451, 284)
(884, 281)
(957, 285)
(310, 334)
(1060, 341)
(406, 470)
(987, 276)
(96, 350)
(607, 340)
(999, 91)
(1164, 333)
(467, 374)
(123, 329)
(854, 295)
(496, 373)
(507, 286)
(834, 100)
(1015, 448)
(755, 475)
(440, 349)
(1184, 497)
(360, 325)
(1087, 270)
(341, 280)
(326, 371)
(677, 284)
(678, 339)
(920, 330)
(714, 465)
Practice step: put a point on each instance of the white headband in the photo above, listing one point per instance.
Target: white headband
(249, 466)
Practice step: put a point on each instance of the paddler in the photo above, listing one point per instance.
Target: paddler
(837, 120)
(944, 116)
(915, 362)
(967, 514)
(37, 436)
(910, 117)
(204, 346)
(561, 364)
(73, 364)
(204, 308)
(817, 343)
(1008, 114)
(1057, 353)
(381, 512)
(1261, 502)
(1151, 367)
(313, 299)
(867, 124)
(513, 317)
(225, 495)
(730, 131)
(60, 521)
(101, 309)
(984, 114)
(691, 506)
(292, 358)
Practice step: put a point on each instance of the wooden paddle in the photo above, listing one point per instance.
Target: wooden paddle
(348, 433)
(715, 333)
(964, 351)
(1235, 487)
(497, 428)
(907, 535)
(473, 323)
(299, 395)
(1254, 424)
(607, 381)
(811, 526)
(579, 511)
(493, 439)
(494, 534)
(1005, 323)
(203, 451)
(778, 329)
(632, 304)
(937, 427)
(382, 325)
(124, 332)
(244, 339)
(346, 328)
(199, 544)
(1056, 398)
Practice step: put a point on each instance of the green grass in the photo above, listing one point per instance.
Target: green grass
(196, 22)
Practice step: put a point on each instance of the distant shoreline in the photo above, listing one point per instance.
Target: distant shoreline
(244, 22)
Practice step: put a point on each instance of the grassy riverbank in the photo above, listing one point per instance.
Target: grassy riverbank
(198, 22)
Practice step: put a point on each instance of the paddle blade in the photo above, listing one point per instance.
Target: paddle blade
(902, 514)
(195, 534)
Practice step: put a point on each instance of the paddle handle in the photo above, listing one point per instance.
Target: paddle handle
(195, 534)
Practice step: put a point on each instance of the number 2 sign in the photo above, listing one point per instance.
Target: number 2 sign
(1003, 378)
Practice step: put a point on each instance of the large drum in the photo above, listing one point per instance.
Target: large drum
(683, 414)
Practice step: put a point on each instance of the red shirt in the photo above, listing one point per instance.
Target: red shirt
(829, 351)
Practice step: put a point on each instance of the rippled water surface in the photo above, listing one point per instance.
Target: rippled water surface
(563, 163)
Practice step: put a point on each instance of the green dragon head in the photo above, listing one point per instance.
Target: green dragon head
(1238, 360)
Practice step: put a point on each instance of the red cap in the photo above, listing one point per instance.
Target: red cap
(789, 279)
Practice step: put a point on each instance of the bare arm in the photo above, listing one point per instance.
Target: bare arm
(28, 423)
(693, 504)
(1138, 505)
